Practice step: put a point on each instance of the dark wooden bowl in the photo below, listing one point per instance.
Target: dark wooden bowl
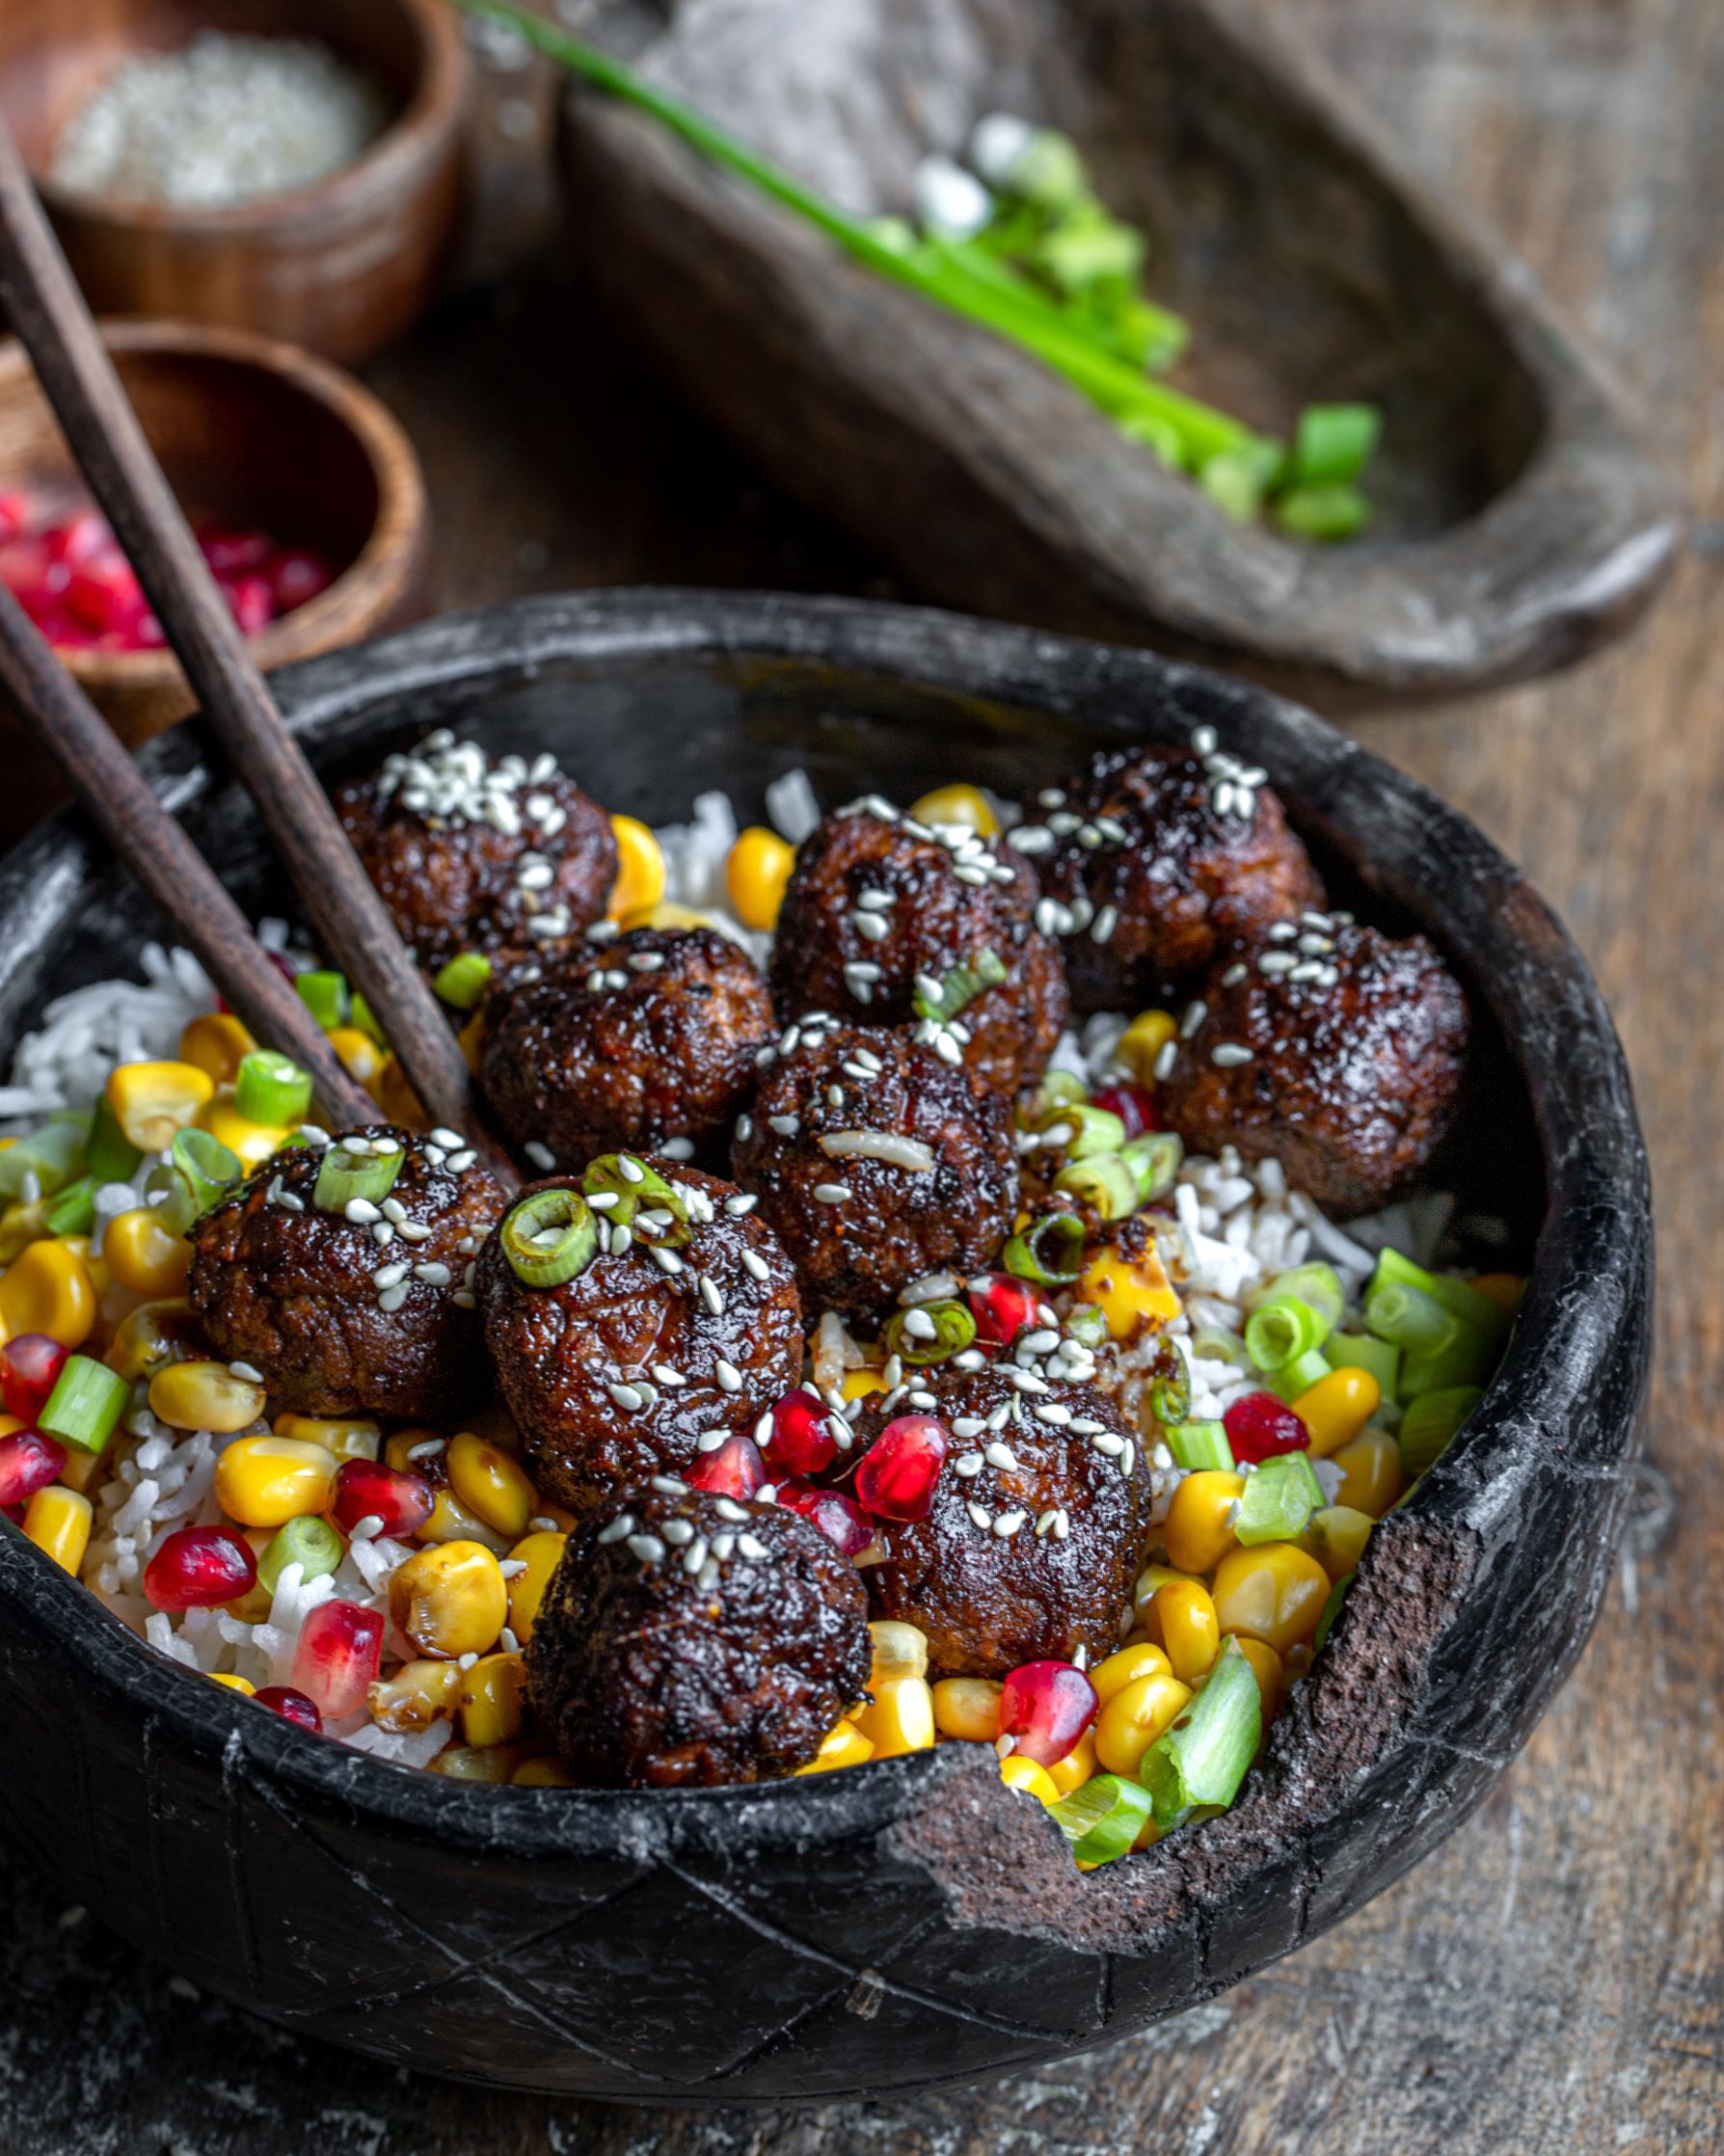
(250, 433)
(341, 266)
(1521, 524)
(912, 1922)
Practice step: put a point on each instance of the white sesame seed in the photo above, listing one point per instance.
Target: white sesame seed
(981, 1514)
(1008, 1523)
(678, 1533)
(1228, 1054)
(626, 1397)
(751, 1546)
(756, 1265)
(831, 1194)
(648, 1548)
(730, 1378)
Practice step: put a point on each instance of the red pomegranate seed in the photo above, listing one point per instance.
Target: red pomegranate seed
(341, 1646)
(291, 1706)
(1045, 1708)
(199, 1568)
(15, 1512)
(1134, 1106)
(397, 1498)
(252, 601)
(29, 1461)
(1002, 1307)
(840, 1519)
(231, 553)
(1258, 1426)
(14, 515)
(296, 578)
(735, 1470)
(898, 1470)
(800, 1439)
(30, 1368)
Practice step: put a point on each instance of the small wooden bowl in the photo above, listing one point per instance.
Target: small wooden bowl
(249, 434)
(341, 266)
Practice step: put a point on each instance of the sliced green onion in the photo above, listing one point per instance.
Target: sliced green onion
(1468, 1360)
(1334, 443)
(54, 1155)
(1296, 1377)
(109, 1153)
(1313, 1282)
(1050, 1250)
(1102, 1181)
(1281, 1494)
(1283, 1330)
(342, 1176)
(955, 1328)
(1195, 1446)
(629, 1192)
(307, 1541)
(1047, 171)
(86, 1404)
(198, 1172)
(1059, 1089)
(1202, 1758)
(325, 996)
(1465, 1301)
(1237, 479)
(72, 1211)
(1430, 1422)
(1218, 1346)
(1083, 1131)
(361, 1014)
(1152, 432)
(272, 1089)
(1087, 1325)
(462, 982)
(1364, 1351)
(549, 1237)
(1332, 1609)
(1154, 1160)
(1328, 513)
(1169, 1393)
(1102, 1818)
(1409, 1318)
(960, 988)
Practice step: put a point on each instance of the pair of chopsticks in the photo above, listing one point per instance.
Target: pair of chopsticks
(48, 313)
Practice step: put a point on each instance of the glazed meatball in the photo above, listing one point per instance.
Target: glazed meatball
(991, 1601)
(875, 1162)
(470, 855)
(691, 1640)
(877, 903)
(647, 1037)
(1334, 1048)
(1152, 861)
(361, 1311)
(615, 1375)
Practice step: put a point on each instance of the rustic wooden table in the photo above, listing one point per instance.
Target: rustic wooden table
(1550, 1980)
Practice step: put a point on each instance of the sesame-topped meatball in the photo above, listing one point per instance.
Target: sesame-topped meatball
(1335, 1049)
(471, 856)
(647, 1037)
(875, 1162)
(613, 1376)
(1036, 1530)
(879, 905)
(688, 1639)
(1155, 859)
(364, 1310)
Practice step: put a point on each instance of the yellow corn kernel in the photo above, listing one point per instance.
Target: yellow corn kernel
(399, 1446)
(968, 1708)
(667, 914)
(1266, 1668)
(1150, 1580)
(1338, 1408)
(57, 1520)
(143, 1255)
(147, 1337)
(755, 874)
(1275, 1592)
(958, 803)
(349, 1439)
(1135, 1717)
(843, 1746)
(47, 1288)
(205, 1396)
(471, 1040)
(1504, 1289)
(394, 1096)
(1189, 1630)
(100, 1279)
(492, 1690)
(639, 869)
(857, 1385)
(1024, 1774)
(153, 1101)
(252, 1144)
(253, 1607)
(266, 1481)
(216, 1045)
(1198, 1529)
(901, 1718)
(452, 1522)
(361, 1055)
(1076, 1767)
(1336, 1537)
(83, 1470)
(541, 1553)
(451, 1600)
(900, 1649)
(20, 1225)
(489, 1483)
(1134, 1298)
(1141, 1043)
(1126, 1666)
(490, 1762)
(418, 1695)
(232, 1683)
(542, 1773)
(1372, 1478)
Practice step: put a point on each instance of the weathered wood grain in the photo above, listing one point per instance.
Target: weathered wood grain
(1549, 1983)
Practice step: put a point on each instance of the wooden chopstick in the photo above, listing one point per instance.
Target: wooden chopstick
(98, 770)
(47, 312)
